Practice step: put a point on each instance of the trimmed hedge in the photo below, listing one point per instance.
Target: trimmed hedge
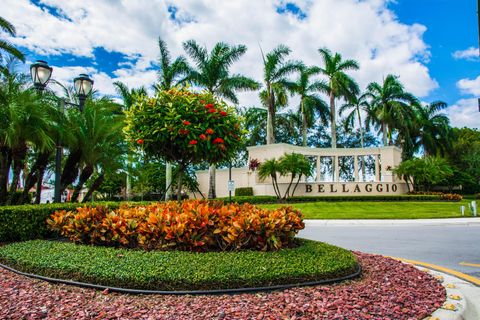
(20, 223)
(243, 192)
(179, 270)
(297, 199)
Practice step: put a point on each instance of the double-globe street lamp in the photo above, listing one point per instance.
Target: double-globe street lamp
(41, 73)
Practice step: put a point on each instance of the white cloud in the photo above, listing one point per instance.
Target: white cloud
(471, 53)
(469, 86)
(464, 113)
(363, 30)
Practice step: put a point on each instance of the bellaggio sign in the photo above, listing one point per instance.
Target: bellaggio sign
(351, 188)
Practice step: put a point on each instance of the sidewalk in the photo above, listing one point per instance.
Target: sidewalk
(400, 222)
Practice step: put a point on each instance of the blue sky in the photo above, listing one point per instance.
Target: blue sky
(451, 26)
(430, 44)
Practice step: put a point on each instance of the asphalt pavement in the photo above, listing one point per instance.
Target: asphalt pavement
(454, 246)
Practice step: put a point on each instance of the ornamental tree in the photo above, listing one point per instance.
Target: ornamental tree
(184, 127)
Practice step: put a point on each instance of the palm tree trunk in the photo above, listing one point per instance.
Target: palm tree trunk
(38, 167)
(270, 139)
(95, 185)
(271, 118)
(38, 193)
(179, 189)
(5, 161)
(212, 194)
(390, 139)
(384, 133)
(362, 142)
(70, 170)
(333, 124)
(168, 181)
(84, 176)
(304, 124)
(18, 156)
(333, 127)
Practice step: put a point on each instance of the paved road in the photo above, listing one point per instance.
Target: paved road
(446, 245)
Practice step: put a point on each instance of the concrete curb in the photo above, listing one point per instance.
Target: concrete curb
(396, 222)
(462, 298)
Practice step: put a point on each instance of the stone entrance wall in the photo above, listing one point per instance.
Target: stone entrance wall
(338, 172)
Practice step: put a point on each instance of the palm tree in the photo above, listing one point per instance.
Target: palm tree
(356, 105)
(99, 130)
(435, 132)
(170, 73)
(391, 106)
(6, 46)
(211, 72)
(311, 105)
(25, 124)
(128, 97)
(255, 120)
(339, 83)
(271, 168)
(275, 71)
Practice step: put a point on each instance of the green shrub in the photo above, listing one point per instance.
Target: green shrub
(243, 192)
(179, 270)
(19, 223)
(193, 225)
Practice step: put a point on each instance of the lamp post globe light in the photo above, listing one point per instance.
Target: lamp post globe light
(83, 86)
(41, 73)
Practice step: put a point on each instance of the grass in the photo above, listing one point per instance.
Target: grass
(179, 270)
(378, 210)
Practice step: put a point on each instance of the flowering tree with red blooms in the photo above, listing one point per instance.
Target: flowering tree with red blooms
(184, 127)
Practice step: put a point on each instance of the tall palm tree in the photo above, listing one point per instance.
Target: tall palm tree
(356, 105)
(211, 72)
(391, 106)
(128, 97)
(170, 74)
(275, 71)
(435, 133)
(339, 83)
(28, 125)
(127, 94)
(311, 105)
(287, 125)
(99, 129)
(5, 46)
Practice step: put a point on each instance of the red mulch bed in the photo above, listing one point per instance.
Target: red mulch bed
(387, 290)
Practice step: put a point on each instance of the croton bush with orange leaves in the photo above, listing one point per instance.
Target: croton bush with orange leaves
(194, 225)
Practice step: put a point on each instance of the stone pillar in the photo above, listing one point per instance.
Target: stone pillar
(377, 168)
(336, 167)
(319, 169)
(355, 167)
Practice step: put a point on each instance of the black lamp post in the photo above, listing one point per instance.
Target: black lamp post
(41, 73)
(83, 86)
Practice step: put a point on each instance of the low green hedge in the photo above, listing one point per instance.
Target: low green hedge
(19, 223)
(242, 192)
(297, 199)
(179, 270)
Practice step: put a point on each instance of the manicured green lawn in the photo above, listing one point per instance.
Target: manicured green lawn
(379, 210)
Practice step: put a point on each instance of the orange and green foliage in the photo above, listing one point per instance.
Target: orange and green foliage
(195, 225)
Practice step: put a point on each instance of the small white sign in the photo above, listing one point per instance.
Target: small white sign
(231, 185)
